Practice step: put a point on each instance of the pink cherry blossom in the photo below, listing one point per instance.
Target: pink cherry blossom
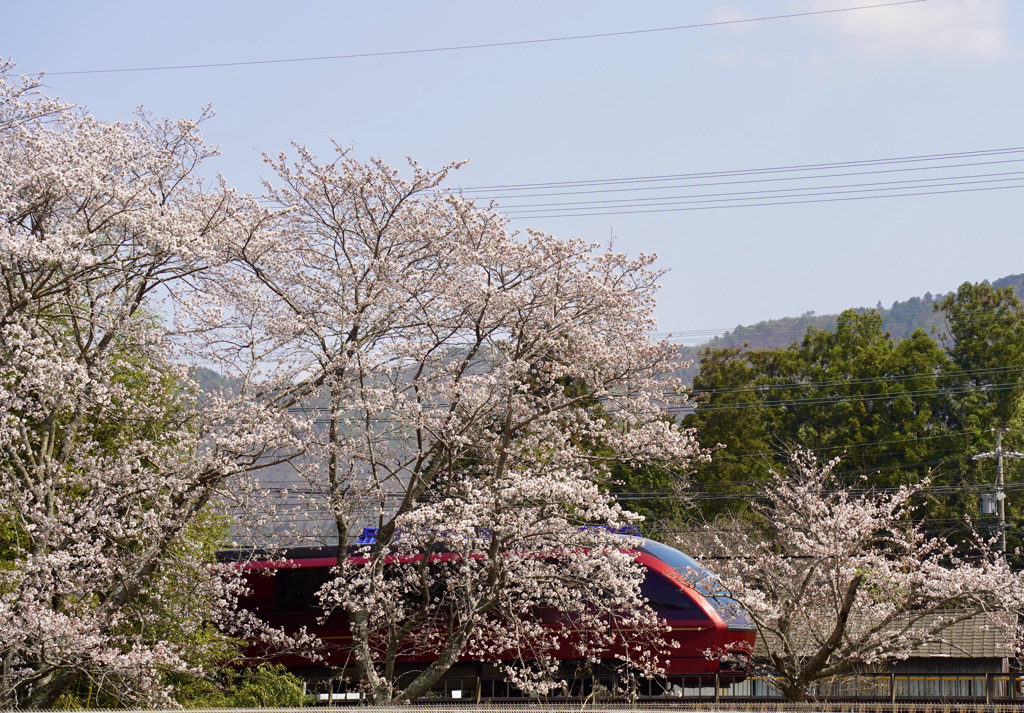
(421, 368)
(835, 578)
(458, 375)
(108, 456)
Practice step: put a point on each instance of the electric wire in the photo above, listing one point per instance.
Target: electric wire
(821, 182)
(639, 211)
(796, 401)
(755, 494)
(302, 487)
(728, 196)
(884, 378)
(829, 400)
(887, 378)
(961, 434)
(486, 45)
(647, 188)
(754, 171)
(845, 446)
(846, 398)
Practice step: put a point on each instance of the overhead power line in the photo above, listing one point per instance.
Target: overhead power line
(797, 199)
(884, 378)
(487, 45)
(655, 496)
(825, 399)
(690, 406)
(823, 182)
(848, 398)
(830, 165)
(720, 454)
(732, 196)
(743, 176)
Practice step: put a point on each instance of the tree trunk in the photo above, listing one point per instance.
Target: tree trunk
(49, 689)
(380, 689)
(433, 673)
(795, 691)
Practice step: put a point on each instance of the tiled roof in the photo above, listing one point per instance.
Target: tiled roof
(983, 636)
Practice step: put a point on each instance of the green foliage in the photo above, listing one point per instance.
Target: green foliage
(13, 539)
(175, 590)
(262, 686)
(985, 344)
(849, 392)
(652, 489)
(895, 410)
(665, 505)
(174, 594)
(177, 596)
(986, 331)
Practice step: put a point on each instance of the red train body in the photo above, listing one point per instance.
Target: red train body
(699, 623)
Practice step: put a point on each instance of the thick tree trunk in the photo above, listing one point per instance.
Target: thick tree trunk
(45, 693)
(795, 691)
(380, 690)
(433, 673)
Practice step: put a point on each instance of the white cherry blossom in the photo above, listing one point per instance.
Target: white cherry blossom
(459, 375)
(108, 459)
(835, 578)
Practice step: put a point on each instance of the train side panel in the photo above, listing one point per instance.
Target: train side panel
(284, 595)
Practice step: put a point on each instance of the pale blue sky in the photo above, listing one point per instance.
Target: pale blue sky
(932, 77)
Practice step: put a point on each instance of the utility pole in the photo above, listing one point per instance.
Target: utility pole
(999, 454)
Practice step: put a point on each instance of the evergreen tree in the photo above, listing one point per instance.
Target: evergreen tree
(851, 391)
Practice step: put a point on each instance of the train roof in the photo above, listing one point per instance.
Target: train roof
(658, 550)
(244, 554)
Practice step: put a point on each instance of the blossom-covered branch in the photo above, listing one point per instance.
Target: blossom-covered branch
(108, 461)
(452, 369)
(836, 578)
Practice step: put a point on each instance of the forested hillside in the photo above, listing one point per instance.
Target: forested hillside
(905, 395)
(899, 320)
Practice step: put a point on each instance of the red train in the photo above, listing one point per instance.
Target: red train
(699, 623)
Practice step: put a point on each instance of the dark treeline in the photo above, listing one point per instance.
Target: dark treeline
(900, 320)
(895, 404)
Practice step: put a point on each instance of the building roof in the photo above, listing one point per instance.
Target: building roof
(985, 636)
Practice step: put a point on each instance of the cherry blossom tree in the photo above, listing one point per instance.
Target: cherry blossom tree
(439, 376)
(835, 578)
(452, 368)
(108, 462)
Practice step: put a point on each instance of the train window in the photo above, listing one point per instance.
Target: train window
(665, 595)
(295, 589)
(702, 579)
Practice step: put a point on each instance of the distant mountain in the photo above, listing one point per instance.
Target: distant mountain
(1016, 280)
(900, 320)
(210, 380)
